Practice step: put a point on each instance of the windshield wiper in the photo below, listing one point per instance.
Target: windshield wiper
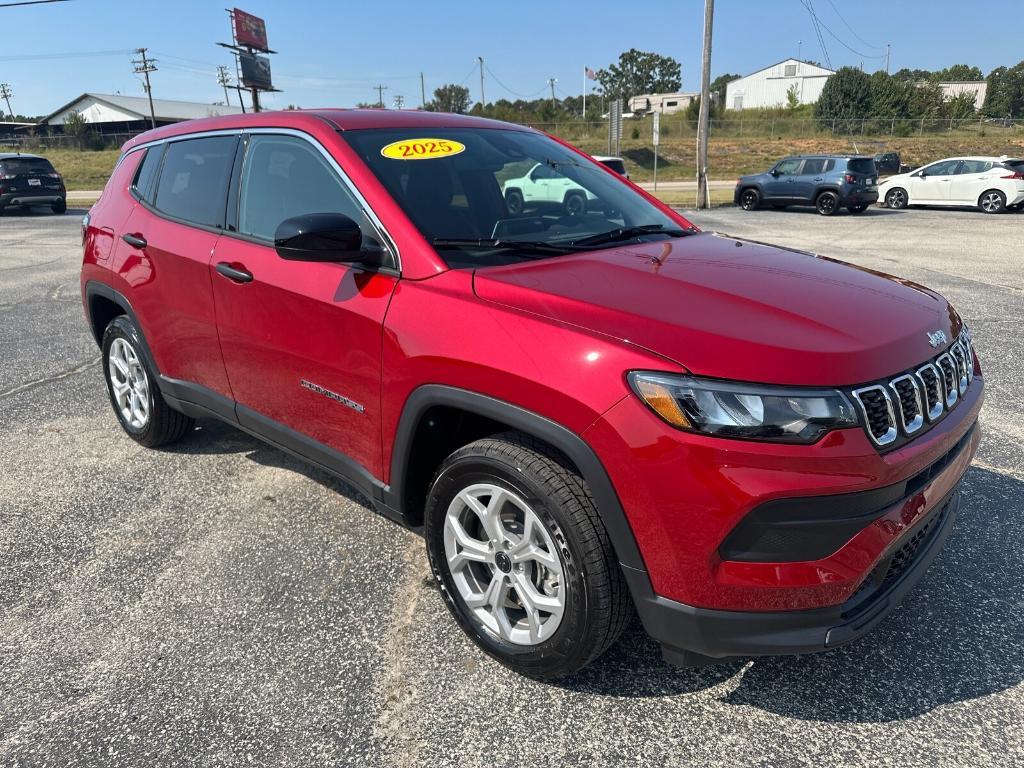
(627, 233)
(523, 246)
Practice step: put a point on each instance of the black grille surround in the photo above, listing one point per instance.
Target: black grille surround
(898, 409)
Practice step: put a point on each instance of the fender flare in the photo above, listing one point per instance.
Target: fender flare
(572, 445)
(95, 288)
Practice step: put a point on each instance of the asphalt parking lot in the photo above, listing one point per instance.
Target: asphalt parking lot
(220, 603)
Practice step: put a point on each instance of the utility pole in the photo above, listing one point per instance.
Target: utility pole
(483, 101)
(144, 66)
(225, 80)
(380, 94)
(551, 82)
(423, 92)
(887, 49)
(705, 109)
(399, 101)
(5, 94)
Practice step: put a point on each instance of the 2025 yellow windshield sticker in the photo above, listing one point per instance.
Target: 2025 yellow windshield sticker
(422, 149)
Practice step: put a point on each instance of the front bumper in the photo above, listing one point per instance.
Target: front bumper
(690, 635)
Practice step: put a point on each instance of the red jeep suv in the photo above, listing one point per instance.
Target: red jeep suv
(586, 406)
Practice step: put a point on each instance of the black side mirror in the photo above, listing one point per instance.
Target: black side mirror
(774, 172)
(319, 237)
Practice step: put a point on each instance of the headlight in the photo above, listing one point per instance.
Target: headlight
(758, 412)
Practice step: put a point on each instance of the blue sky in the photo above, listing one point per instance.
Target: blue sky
(333, 52)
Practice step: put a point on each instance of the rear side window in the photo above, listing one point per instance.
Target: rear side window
(142, 185)
(25, 166)
(194, 181)
(974, 166)
(814, 166)
(284, 176)
(861, 165)
(1017, 166)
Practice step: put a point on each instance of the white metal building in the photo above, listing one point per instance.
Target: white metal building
(665, 103)
(977, 88)
(768, 87)
(110, 113)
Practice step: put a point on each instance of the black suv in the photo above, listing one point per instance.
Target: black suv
(27, 180)
(828, 182)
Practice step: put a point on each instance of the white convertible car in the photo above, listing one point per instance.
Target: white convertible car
(992, 184)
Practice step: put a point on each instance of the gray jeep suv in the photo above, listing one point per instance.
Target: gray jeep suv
(827, 182)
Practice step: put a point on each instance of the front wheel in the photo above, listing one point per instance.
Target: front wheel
(523, 560)
(514, 201)
(827, 203)
(992, 201)
(750, 199)
(896, 198)
(575, 203)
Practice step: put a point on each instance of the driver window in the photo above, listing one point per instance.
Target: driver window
(788, 167)
(944, 168)
(284, 176)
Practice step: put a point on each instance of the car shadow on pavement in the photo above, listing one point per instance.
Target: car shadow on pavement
(213, 437)
(959, 635)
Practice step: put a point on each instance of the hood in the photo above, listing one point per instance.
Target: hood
(735, 309)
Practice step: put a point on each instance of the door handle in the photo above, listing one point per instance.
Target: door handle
(818, 178)
(135, 241)
(233, 274)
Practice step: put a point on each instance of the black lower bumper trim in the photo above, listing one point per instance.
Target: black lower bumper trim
(691, 635)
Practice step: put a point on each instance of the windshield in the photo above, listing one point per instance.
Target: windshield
(488, 196)
(22, 166)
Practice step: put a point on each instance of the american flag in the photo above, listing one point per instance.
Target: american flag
(590, 74)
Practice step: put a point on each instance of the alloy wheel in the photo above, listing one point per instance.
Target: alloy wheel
(129, 382)
(504, 564)
(827, 204)
(897, 198)
(991, 202)
(748, 200)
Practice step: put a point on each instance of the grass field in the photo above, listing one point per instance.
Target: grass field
(728, 157)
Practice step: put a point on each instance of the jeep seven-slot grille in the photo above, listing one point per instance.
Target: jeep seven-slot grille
(897, 409)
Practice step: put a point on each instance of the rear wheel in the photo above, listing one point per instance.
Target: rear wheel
(750, 199)
(134, 394)
(992, 201)
(59, 207)
(827, 203)
(896, 198)
(524, 563)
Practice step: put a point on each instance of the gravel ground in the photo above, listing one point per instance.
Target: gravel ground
(220, 603)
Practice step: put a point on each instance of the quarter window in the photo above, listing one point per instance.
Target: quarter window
(194, 180)
(142, 185)
(284, 176)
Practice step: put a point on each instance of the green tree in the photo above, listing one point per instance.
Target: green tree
(913, 75)
(450, 98)
(640, 72)
(719, 83)
(78, 128)
(957, 72)
(926, 100)
(847, 94)
(792, 97)
(890, 96)
(1005, 96)
(961, 107)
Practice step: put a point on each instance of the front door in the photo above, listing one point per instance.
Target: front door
(301, 340)
(932, 183)
(779, 186)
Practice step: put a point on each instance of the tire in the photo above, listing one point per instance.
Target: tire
(750, 199)
(134, 394)
(570, 564)
(897, 198)
(827, 203)
(514, 201)
(858, 208)
(575, 203)
(992, 201)
(59, 207)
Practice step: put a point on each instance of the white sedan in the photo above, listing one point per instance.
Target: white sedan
(992, 184)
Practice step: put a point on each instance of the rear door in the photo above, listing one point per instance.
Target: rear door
(164, 257)
(302, 340)
(805, 184)
(972, 177)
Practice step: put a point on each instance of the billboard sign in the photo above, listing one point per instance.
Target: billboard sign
(250, 31)
(255, 71)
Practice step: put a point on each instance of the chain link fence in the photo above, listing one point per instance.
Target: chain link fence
(91, 141)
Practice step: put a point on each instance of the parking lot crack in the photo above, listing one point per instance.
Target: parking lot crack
(76, 369)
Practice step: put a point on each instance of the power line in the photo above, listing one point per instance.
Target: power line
(30, 2)
(819, 23)
(814, 22)
(852, 30)
(515, 93)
